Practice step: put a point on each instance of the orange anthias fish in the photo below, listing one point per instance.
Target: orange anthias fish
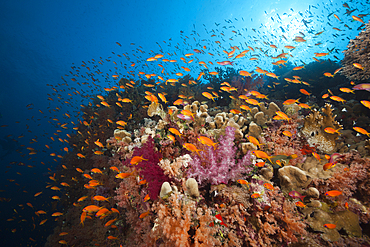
(304, 92)
(254, 140)
(331, 130)
(100, 198)
(136, 159)
(300, 204)
(175, 131)
(146, 198)
(144, 214)
(241, 181)
(337, 98)
(333, 193)
(290, 101)
(206, 141)
(282, 115)
(191, 148)
(365, 103)
(91, 208)
(268, 186)
(123, 175)
(362, 131)
(330, 226)
(328, 166)
(262, 155)
(316, 156)
(99, 144)
(255, 195)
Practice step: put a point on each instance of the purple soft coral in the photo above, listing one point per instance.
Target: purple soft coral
(149, 168)
(218, 166)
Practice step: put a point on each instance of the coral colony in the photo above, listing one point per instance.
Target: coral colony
(221, 162)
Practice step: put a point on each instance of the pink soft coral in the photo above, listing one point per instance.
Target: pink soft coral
(219, 166)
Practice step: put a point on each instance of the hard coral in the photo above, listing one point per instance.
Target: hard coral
(314, 129)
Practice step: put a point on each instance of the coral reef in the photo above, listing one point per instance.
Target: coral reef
(358, 51)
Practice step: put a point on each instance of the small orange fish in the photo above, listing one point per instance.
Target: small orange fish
(43, 222)
(83, 217)
(102, 212)
(262, 155)
(325, 96)
(333, 193)
(100, 198)
(241, 181)
(136, 159)
(191, 148)
(365, 103)
(362, 131)
(123, 175)
(96, 170)
(327, 74)
(111, 237)
(331, 130)
(208, 96)
(328, 166)
(99, 144)
(282, 115)
(356, 18)
(300, 204)
(91, 208)
(206, 141)
(260, 164)
(346, 90)
(56, 214)
(337, 98)
(82, 198)
(255, 195)
(254, 140)
(290, 101)
(316, 156)
(81, 155)
(235, 111)
(37, 194)
(122, 123)
(330, 226)
(144, 214)
(287, 133)
(268, 186)
(146, 198)
(304, 92)
(110, 222)
(174, 131)
(114, 168)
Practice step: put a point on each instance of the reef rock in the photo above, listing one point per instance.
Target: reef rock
(293, 178)
(344, 220)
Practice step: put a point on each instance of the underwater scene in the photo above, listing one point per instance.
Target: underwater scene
(192, 123)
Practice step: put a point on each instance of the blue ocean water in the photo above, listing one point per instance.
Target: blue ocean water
(42, 40)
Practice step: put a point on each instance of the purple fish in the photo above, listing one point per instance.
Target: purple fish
(184, 117)
(363, 86)
(295, 195)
